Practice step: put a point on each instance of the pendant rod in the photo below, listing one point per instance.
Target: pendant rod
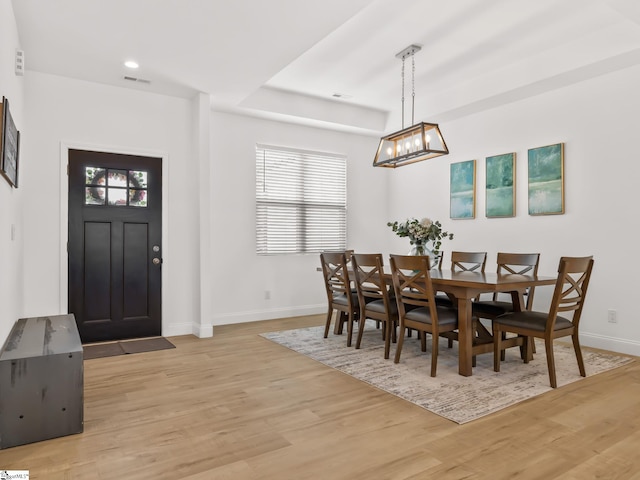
(410, 51)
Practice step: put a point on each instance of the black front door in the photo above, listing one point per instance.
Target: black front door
(115, 254)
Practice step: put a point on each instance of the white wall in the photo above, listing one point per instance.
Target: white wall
(63, 111)
(240, 277)
(66, 112)
(597, 120)
(11, 252)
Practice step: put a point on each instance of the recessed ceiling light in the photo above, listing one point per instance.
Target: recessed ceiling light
(131, 64)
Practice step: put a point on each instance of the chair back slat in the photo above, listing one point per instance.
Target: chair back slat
(412, 282)
(519, 264)
(336, 274)
(574, 274)
(369, 277)
(468, 261)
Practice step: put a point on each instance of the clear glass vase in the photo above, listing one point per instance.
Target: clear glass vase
(419, 249)
(422, 249)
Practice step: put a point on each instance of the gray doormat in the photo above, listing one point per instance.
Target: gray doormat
(125, 347)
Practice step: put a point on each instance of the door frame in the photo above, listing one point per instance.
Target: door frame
(65, 146)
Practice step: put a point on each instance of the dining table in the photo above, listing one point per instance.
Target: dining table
(463, 286)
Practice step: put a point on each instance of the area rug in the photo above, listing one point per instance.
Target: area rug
(125, 347)
(457, 398)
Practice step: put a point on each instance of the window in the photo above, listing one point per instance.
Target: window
(301, 201)
(106, 186)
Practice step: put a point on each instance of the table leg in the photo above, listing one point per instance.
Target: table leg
(465, 337)
(517, 298)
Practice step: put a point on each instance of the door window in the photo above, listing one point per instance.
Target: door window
(115, 187)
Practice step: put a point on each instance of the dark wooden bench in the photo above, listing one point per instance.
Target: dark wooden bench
(41, 381)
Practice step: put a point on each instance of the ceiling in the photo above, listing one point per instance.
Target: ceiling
(287, 59)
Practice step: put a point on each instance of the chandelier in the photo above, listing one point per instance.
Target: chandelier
(420, 141)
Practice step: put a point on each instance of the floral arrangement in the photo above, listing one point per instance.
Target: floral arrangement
(420, 232)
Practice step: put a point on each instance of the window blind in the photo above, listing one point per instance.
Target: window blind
(301, 201)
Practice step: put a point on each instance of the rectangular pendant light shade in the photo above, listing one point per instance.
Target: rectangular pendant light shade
(421, 141)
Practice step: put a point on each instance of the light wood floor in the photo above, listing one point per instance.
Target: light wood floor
(237, 406)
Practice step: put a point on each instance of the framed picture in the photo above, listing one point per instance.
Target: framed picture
(9, 145)
(546, 180)
(500, 200)
(463, 190)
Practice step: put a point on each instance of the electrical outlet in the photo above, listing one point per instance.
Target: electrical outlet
(612, 316)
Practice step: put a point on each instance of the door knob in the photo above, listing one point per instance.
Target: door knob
(156, 261)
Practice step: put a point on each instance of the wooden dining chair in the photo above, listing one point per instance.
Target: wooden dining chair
(417, 308)
(340, 295)
(435, 262)
(374, 298)
(348, 254)
(463, 262)
(514, 263)
(569, 295)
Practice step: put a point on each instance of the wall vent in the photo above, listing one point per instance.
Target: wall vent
(137, 80)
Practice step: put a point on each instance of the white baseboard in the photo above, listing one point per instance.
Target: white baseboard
(203, 331)
(176, 329)
(257, 315)
(206, 331)
(613, 344)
